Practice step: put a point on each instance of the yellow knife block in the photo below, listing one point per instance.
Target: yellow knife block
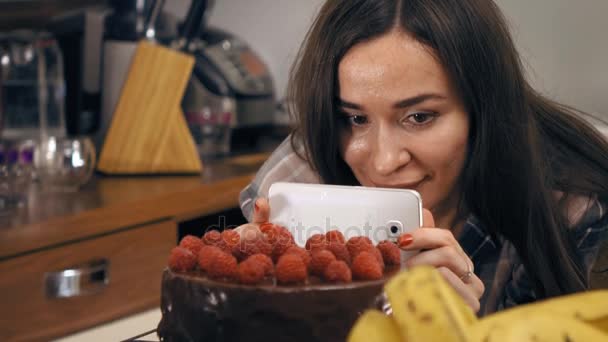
(148, 133)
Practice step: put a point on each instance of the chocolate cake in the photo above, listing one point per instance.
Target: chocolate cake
(197, 308)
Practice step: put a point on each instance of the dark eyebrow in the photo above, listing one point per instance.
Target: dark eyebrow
(399, 104)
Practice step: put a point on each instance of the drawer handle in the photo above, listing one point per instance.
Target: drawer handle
(88, 278)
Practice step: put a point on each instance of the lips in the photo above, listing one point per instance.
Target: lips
(404, 185)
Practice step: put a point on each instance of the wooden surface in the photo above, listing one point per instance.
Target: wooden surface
(137, 258)
(109, 204)
(148, 134)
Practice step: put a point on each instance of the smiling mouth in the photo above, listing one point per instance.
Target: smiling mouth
(411, 185)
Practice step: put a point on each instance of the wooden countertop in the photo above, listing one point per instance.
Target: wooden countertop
(110, 204)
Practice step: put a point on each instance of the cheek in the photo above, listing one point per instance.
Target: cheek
(447, 163)
(355, 150)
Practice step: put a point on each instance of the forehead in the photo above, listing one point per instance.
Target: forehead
(393, 65)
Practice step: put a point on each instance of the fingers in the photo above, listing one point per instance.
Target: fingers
(261, 211)
(427, 218)
(449, 258)
(445, 256)
(261, 214)
(427, 238)
(462, 289)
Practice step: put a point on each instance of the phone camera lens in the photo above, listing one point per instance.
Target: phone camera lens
(395, 227)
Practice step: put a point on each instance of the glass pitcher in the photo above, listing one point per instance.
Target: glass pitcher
(32, 86)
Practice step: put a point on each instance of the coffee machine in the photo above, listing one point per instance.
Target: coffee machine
(226, 67)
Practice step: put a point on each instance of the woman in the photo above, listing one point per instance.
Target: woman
(430, 95)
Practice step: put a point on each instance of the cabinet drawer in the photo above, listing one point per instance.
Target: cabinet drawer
(135, 259)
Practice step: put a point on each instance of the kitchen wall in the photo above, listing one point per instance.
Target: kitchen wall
(565, 48)
(563, 42)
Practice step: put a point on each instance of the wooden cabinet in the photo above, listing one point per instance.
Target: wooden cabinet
(129, 283)
(131, 224)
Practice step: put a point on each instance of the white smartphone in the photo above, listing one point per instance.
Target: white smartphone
(378, 213)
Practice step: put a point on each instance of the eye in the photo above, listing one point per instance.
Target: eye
(356, 120)
(421, 118)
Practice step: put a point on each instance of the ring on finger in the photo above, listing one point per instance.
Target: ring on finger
(468, 273)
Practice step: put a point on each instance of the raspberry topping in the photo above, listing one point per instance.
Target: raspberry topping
(335, 235)
(338, 272)
(319, 261)
(191, 243)
(291, 269)
(181, 259)
(340, 251)
(366, 267)
(317, 241)
(250, 272)
(391, 254)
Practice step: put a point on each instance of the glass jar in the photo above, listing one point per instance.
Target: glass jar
(32, 86)
(17, 173)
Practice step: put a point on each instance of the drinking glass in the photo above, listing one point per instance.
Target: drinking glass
(211, 125)
(65, 164)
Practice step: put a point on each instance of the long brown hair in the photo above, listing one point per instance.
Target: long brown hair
(522, 146)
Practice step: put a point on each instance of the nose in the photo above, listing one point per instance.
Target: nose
(390, 154)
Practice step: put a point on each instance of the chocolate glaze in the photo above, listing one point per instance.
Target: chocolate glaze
(195, 308)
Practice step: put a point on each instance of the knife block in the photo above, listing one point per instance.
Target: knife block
(148, 133)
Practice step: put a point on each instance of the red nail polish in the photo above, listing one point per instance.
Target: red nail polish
(404, 240)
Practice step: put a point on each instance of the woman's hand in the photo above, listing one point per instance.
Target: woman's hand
(261, 214)
(439, 248)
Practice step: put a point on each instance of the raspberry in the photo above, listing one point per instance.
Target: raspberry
(283, 241)
(250, 271)
(269, 230)
(181, 259)
(340, 251)
(319, 261)
(212, 238)
(358, 244)
(317, 241)
(291, 269)
(230, 240)
(335, 235)
(338, 272)
(376, 252)
(206, 256)
(391, 254)
(366, 267)
(191, 243)
(301, 252)
(223, 265)
(284, 236)
(253, 246)
(263, 260)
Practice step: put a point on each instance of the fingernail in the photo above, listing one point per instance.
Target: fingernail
(256, 207)
(404, 240)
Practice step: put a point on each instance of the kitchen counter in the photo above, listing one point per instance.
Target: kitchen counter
(128, 223)
(110, 203)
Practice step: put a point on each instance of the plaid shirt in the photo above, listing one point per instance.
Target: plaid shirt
(496, 261)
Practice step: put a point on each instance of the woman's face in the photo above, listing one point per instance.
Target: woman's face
(404, 124)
